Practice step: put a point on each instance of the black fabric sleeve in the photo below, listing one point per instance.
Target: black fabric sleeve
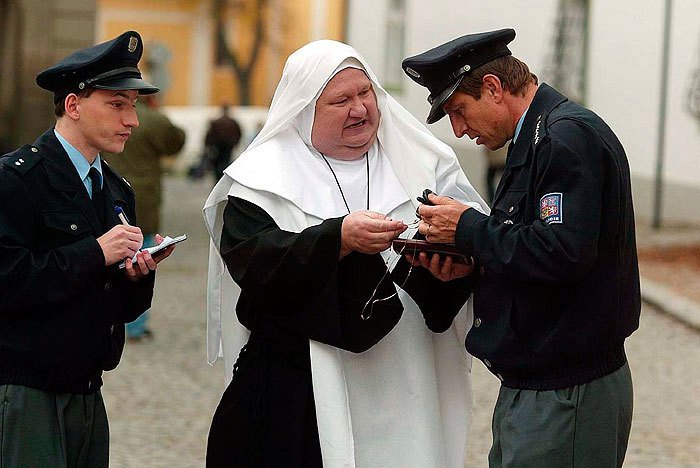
(136, 296)
(570, 164)
(439, 301)
(294, 282)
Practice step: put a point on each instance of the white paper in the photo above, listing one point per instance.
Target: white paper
(167, 241)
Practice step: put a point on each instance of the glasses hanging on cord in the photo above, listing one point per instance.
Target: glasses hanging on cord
(371, 302)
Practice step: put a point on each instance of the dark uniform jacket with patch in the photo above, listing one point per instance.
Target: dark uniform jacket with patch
(62, 312)
(558, 284)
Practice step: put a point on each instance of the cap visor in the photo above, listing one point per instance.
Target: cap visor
(136, 84)
(436, 111)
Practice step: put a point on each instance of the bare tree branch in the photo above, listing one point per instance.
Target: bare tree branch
(242, 70)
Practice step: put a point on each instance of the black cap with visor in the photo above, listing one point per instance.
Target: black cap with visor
(443, 68)
(111, 65)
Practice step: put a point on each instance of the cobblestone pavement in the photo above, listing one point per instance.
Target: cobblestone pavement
(161, 398)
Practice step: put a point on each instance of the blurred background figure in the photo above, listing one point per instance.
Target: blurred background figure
(222, 137)
(495, 162)
(140, 165)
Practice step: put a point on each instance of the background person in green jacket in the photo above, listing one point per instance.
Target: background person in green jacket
(140, 165)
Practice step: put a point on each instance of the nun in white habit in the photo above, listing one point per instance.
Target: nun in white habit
(344, 355)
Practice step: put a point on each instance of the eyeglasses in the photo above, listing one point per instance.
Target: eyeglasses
(371, 302)
(414, 224)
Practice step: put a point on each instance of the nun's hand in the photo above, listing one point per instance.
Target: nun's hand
(368, 232)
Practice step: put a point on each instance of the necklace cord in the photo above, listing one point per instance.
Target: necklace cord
(371, 301)
(347, 207)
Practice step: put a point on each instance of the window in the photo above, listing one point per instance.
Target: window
(566, 64)
(395, 33)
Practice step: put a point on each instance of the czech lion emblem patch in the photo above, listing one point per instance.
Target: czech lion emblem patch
(551, 208)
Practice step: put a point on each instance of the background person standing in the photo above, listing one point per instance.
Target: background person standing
(140, 164)
(222, 137)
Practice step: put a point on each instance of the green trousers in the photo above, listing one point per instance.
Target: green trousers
(583, 426)
(52, 430)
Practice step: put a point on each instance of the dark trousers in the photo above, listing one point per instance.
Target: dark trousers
(52, 430)
(583, 426)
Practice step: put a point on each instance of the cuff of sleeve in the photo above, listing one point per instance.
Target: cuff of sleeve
(91, 256)
(465, 229)
(335, 226)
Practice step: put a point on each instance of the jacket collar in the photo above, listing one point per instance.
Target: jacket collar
(63, 176)
(61, 171)
(546, 98)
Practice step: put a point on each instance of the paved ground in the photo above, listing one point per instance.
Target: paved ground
(161, 398)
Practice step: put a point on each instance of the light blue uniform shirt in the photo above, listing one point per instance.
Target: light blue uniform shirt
(80, 163)
(519, 126)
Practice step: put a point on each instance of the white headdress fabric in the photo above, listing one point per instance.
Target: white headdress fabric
(425, 377)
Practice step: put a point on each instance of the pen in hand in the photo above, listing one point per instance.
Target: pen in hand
(122, 217)
(120, 213)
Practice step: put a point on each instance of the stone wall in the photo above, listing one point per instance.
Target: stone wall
(38, 34)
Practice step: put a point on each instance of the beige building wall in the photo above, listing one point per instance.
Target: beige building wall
(187, 28)
(170, 22)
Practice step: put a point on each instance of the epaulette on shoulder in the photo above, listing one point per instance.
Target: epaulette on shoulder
(540, 129)
(23, 159)
(122, 180)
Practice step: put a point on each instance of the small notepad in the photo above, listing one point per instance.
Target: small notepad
(167, 242)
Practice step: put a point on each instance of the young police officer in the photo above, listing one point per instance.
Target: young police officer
(64, 298)
(557, 290)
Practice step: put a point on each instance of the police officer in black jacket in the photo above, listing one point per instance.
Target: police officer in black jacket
(557, 287)
(64, 297)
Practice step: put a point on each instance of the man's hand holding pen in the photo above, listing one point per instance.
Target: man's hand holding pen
(120, 242)
(123, 242)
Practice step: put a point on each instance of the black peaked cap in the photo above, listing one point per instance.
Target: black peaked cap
(109, 65)
(442, 68)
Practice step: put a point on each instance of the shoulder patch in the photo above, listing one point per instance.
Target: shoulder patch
(22, 159)
(551, 208)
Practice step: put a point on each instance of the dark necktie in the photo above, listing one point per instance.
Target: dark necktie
(97, 198)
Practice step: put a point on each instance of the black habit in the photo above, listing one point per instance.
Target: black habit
(294, 289)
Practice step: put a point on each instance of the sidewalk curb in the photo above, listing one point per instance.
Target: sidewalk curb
(671, 303)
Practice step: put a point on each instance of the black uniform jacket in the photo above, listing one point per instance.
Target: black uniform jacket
(293, 289)
(62, 311)
(558, 288)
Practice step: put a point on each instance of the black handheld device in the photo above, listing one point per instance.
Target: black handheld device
(424, 198)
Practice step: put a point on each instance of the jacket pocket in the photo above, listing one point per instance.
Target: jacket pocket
(64, 227)
(510, 207)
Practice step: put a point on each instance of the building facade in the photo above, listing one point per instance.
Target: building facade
(186, 54)
(621, 61)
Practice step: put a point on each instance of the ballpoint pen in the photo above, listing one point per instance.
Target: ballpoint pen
(120, 213)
